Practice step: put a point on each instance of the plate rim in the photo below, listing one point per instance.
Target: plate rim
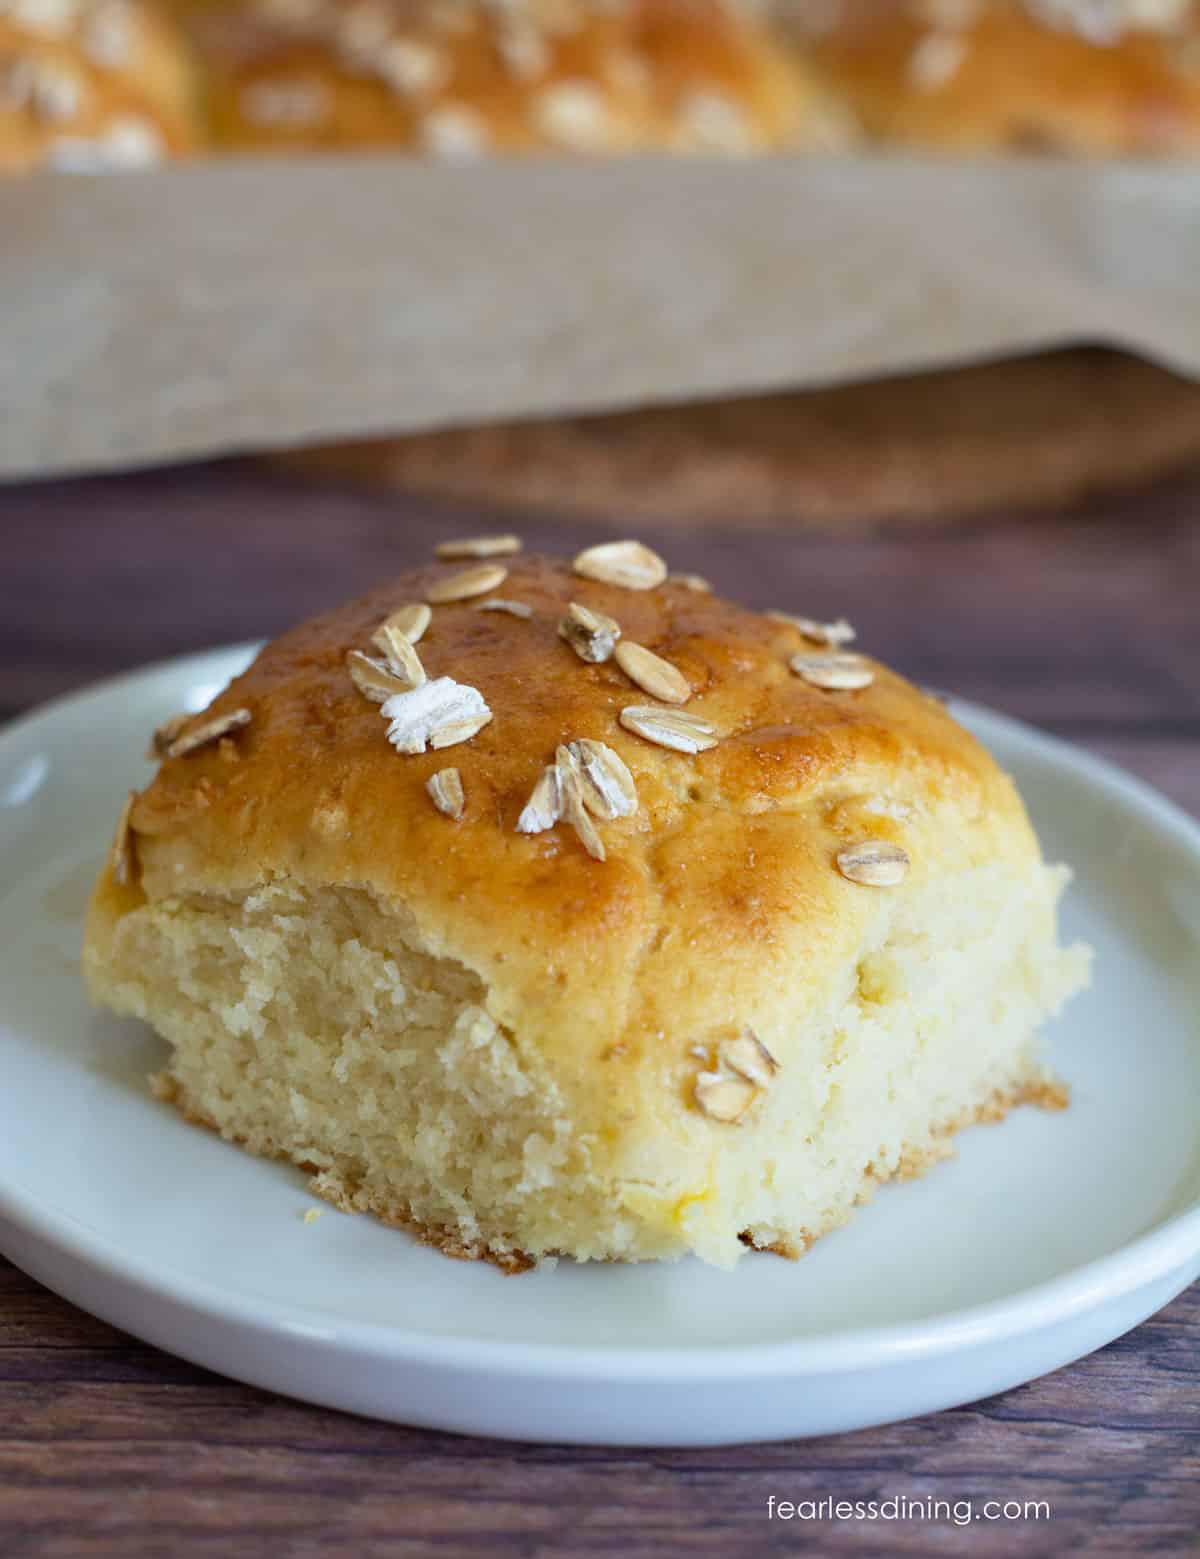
(1155, 1255)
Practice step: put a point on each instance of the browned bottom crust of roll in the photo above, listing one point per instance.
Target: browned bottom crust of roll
(1045, 1092)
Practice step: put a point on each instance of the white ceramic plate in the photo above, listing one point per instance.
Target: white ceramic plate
(1047, 1237)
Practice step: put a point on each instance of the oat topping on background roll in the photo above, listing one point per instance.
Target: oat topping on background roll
(1105, 78)
(462, 79)
(93, 86)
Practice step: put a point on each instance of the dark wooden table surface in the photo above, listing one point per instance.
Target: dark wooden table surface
(1088, 625)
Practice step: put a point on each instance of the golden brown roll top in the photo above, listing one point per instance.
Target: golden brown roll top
(462, 78)
(967, 76)
(786, 750)
(111, 83)
(92, 84)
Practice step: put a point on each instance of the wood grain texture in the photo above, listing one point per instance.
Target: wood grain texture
(1048, 429)
(1087, 625)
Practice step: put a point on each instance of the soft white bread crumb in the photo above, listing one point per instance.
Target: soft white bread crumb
(305, 1028)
